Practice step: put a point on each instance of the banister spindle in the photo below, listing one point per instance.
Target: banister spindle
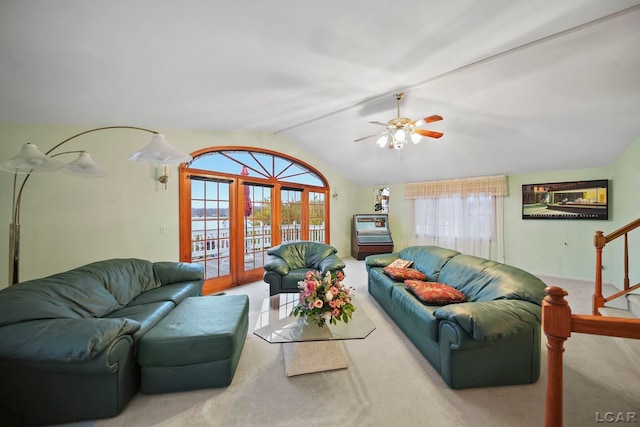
(556, 323)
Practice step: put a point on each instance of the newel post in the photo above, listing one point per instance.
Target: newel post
(556, 323)
(599, 240)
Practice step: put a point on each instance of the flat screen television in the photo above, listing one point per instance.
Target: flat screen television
(566, 200)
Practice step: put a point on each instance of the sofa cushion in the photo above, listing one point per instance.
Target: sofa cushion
(414, 313)
(428, 259)
(402, 274)
(146, 315)
(176, 292)
(125, 279)
(71, 294)
(435, 293)
(62, 340)
(485, 280)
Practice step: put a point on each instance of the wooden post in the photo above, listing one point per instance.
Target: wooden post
(556, 323)
(598, 300)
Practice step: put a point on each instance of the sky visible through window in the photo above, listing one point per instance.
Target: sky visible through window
(259, 165)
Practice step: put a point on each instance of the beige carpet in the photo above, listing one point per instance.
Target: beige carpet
(389, 383)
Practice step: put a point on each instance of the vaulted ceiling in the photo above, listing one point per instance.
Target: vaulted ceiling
(523, 86)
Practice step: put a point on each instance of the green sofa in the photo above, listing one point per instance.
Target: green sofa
(68, 342)
(287, 264)
(491, 339)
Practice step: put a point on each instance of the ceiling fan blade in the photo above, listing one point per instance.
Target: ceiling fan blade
(376, 122)
(429, 133)
(429, 119)
(366, 137)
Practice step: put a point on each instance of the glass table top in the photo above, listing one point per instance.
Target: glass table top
(277, 325)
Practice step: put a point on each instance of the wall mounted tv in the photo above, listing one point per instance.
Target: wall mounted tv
(566, 200)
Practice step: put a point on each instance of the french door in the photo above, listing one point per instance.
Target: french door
(229, 221)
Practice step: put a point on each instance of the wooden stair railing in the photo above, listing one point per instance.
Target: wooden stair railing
(557, 324)
(599, 241)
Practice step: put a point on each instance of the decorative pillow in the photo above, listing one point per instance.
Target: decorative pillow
(404, 273)
(435, 293)
(400, 263)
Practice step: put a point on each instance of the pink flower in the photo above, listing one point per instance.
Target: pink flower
(335, 312)
(318, 303)
(311, 286)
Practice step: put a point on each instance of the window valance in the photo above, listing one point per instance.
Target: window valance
(492, 185)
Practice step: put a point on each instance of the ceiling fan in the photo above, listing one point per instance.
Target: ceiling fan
(400, 131)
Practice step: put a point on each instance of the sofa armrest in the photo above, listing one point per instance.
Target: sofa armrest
(380, 260)
(62, 340)
(176, 272)
(277, 265)
(331, 263)
(492, 320)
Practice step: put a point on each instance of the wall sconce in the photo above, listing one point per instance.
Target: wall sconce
(335, 194)
(164, 178)
(30, 160)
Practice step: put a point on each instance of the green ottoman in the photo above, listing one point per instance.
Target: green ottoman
(197, 345)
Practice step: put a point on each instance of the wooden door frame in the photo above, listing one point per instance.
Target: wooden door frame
(235, 200)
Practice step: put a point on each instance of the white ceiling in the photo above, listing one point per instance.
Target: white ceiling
(523, 86)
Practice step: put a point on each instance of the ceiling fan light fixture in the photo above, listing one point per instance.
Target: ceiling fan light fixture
(401, 130)
(399, 135)
(383, 141)
(415, 137)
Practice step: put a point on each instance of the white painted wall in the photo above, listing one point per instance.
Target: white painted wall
(68, 221)
(560, 248)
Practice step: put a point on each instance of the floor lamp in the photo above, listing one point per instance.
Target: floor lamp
(30, 160)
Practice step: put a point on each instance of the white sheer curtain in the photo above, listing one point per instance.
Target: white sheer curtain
(464, 215)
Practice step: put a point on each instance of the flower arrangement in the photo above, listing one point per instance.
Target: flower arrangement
(324, 299)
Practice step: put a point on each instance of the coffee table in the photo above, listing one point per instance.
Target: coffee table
(307, 347)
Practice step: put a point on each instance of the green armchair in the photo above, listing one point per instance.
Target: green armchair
(287, 264)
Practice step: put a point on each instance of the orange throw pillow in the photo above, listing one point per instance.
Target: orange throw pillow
(404, 273)
(434, 293)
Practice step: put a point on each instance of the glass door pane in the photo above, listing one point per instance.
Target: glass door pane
(256, 225)
(210, 242)
(316, 217)
(291, 215)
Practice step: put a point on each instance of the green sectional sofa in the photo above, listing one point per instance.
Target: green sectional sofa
(491, 339)
(68, 342)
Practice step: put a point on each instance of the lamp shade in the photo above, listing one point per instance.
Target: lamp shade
(85, 167)
(159, 151)
(31, 160)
